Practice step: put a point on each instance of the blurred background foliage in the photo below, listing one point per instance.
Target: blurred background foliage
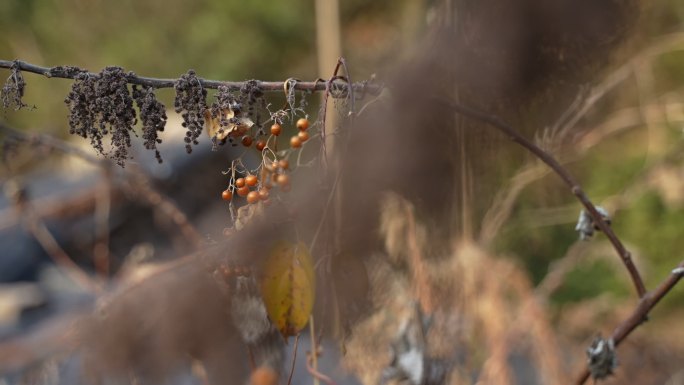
(637, 171)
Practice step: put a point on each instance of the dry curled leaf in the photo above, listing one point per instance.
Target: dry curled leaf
(288, 286)
(235, 127)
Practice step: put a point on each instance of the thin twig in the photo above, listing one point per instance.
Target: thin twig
(640, 313)
(569, 180)
(421, 280)
(318, 375)
(68, 72)
(294, 359)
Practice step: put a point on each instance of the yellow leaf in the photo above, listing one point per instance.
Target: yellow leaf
(288, 286)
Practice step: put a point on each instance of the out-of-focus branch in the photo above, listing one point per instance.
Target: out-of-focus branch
(47, 241)
(69, 72)
(564, 174)
(140, 184)
(103, 205)
(137, 182)
(640, 313)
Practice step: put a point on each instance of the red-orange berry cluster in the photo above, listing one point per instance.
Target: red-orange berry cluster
(272, 173)
(256, 189)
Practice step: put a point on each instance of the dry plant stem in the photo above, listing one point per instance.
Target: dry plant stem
(640, 313)
(422, 281)
(576, 189)
(66, 72)
(318, 375)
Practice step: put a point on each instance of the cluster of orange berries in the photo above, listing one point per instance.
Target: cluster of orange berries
(276, 129)
(273, 174)
(249, 186)
(296, 140)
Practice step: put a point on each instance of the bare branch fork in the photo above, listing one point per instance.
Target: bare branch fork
(640, 313)
(69, 72)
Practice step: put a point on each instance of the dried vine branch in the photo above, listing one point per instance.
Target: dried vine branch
(564, 174)
(69, 72)
(640, 313)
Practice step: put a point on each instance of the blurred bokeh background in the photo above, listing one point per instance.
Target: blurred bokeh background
(626, 148)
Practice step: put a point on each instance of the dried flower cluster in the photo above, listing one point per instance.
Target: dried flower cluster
(153, 116)
(191, 103)
(224, 102)
(13, 90)
(251, 94)
(101, 105)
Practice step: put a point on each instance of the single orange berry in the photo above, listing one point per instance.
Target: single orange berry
(303, 136)
(240, 182)
(263, 375)
(283, 180)
(295, 142)
(284, 164)
(276, 129)
(246, 141)
(243, 191)
(303, 124)
(227, 195)
(251, 180)
(263, 194)
(260, 145)
(252, 197)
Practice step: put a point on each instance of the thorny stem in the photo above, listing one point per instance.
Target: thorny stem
(67, 72)
(569, 180)
(640, 313)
